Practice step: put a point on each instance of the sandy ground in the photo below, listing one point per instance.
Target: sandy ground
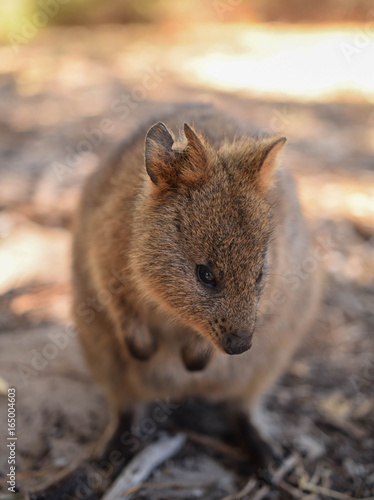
(73, 85)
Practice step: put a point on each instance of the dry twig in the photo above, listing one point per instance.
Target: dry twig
(141, 466)
(249, 493)
(321, 490)
(216, 445)
(340, 424)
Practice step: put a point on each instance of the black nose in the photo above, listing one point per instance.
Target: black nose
(236, 344)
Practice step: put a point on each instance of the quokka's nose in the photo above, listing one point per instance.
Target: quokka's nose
(236, 344)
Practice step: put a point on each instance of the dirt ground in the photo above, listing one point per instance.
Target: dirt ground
(73, 85)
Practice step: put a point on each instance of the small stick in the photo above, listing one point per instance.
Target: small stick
(260, 494)
(294, 492)
(314, 488)
(170, 486)
(287, 466)
(248, 488)
(141, 466)
(348, 428)
(216, 445)
(62, 474)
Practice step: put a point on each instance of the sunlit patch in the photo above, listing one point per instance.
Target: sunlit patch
(297, 63)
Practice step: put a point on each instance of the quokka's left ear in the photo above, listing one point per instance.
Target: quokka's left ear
(266, 162)
(159, 155)
(170, 168)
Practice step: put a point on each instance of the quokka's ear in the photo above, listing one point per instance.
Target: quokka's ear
(159, 156)
(195, 149)
(266, 162)
(169, 168)
(194, 169)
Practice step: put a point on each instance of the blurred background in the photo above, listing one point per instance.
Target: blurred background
(76, 76)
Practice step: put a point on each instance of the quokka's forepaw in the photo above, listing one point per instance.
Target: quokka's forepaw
(140, 342)
(142, 351)
(196, 354)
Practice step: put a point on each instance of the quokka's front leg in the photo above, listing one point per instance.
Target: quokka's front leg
(259, 448)
(119, 423)
(114, 437)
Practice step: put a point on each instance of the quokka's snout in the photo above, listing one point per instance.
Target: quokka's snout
(233, 332)
(236, 343)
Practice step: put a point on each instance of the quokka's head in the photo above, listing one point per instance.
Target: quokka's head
(202, 231)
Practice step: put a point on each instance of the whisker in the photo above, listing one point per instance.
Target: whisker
(275, 274)
(270, 315)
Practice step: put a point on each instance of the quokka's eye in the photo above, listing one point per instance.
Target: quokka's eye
(259, 278)
(206, 276)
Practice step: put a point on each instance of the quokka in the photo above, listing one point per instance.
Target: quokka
(201, 231)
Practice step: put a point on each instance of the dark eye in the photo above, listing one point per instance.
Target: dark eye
(258, 280)
(206, 276)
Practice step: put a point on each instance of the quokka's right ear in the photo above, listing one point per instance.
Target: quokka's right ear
(159, 156)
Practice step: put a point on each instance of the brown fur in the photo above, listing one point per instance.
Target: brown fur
(213, 200)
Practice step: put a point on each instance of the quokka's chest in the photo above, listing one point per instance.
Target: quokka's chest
(165, 375)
